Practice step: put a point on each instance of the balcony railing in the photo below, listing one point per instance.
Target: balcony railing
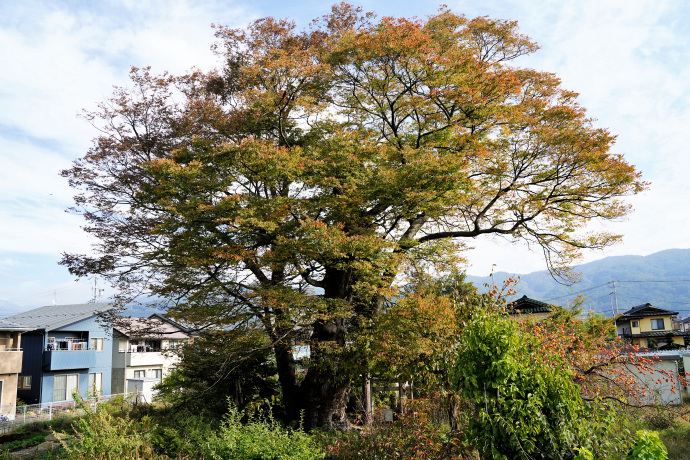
(48, 411)
(62, 359)
(68, 345)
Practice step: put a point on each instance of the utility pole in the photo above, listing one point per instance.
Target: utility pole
(615, 296)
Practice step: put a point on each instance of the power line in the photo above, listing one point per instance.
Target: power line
(651, 281)
(612, 282)
(45, 294)
(579, 292)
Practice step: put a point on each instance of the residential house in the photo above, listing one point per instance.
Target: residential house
(684, 324)
(524, 307)
(650, 327)
(144, 349)
(66, 349)
(10, 365)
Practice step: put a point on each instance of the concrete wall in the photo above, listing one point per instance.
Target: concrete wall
(8, 400)
(656, 387)
(10, 362)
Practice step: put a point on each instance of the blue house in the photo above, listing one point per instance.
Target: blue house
(66, 350)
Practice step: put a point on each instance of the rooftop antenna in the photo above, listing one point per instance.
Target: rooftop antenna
(55, 297)
(95, 289)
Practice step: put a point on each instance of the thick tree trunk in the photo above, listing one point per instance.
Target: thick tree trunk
(326, 387)
(287, 376)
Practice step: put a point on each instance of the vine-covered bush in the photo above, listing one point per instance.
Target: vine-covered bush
(523, 408)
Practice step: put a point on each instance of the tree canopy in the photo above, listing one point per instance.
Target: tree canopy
(296, 187)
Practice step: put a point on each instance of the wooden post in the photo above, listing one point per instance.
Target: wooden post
(401, 393)
(368, 400)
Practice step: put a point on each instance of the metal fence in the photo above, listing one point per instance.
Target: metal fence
(48, 411)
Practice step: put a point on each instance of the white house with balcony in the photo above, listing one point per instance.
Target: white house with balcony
(144, 349)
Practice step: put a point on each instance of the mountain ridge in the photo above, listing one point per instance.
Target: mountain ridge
(661, 278)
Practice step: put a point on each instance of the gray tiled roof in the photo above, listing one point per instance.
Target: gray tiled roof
(658, 334)
(56, 316)
(526, 305)
(6, 325)
(148, 328)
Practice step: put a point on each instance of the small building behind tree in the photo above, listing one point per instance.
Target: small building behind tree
(145, 349)
(524, 307)
(651, 327)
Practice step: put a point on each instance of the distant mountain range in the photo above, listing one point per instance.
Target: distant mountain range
(9, 309)
(662, 279)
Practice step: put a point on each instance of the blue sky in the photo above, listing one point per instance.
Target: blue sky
(630, 62)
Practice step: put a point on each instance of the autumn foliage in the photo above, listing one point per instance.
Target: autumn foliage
(296, 188)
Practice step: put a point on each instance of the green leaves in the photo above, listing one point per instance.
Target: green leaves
(648, 447)
(523, 408)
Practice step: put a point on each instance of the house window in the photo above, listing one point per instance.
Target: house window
(1, 383)
(64, 386)
(658, 324)
(95, 383)
(25, 382)
(139, 374)
(157, 373)
(635, 324)
(122, 345)
(96, 344)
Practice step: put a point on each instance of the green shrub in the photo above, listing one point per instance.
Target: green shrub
(660, 420)
(648, 447)
(677, 441)
(101, 435)
(24, 443)
(523, 408)
(259, 440)
(181, 435)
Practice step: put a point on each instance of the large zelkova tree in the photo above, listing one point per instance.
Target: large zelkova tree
(294, 189)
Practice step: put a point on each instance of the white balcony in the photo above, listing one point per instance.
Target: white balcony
(151, 358)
